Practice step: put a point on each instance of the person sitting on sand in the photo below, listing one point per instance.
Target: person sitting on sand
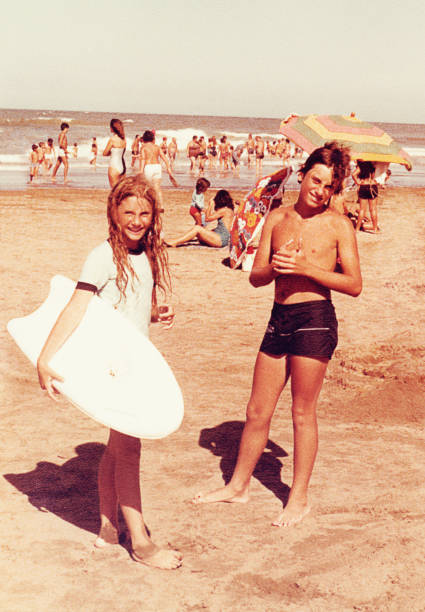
(220, 208)
(298, 251)
(150, 164)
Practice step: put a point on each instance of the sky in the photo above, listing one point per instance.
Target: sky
(258, 58)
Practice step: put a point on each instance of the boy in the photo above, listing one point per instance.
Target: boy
(298, 250)
(33, 163)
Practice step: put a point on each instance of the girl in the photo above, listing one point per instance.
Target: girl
(364, 176)
(115, 149)
(127, 269)
(298, 252)
(220, 235)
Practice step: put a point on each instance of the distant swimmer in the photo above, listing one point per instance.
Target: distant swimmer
(259, 154)
(75, 150)
(172, 151)
(150, 164)
(62, 153)
(40, 153)
(34, 163)
(164, 146)
(135, 150)
(212, 151)
(192, 150)
(115, 149)
(224, 153)
(94, 151)
(49, 154)
(250, 148)
(202, 154)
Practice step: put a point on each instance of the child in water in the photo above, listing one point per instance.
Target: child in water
(126, 269)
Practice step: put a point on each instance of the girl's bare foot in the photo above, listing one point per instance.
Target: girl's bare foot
(224, 494)
(108, 534)
(153, 556)
(292, 514)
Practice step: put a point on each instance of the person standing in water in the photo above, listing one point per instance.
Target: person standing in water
(299, 249)
(62, 157)
(150, 164)
(115, 149)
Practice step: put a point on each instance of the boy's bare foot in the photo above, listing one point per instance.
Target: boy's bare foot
(224, 494)
(291, 515)
(162, 558)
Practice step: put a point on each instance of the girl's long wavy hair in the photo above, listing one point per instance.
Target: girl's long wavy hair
(151, 242)
(117, 127)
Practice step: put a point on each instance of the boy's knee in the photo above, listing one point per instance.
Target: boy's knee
(303, 413)
(255, 415)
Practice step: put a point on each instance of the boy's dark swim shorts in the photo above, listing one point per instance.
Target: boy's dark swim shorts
(309, 329)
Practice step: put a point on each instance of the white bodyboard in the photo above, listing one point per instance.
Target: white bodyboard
(111, 371)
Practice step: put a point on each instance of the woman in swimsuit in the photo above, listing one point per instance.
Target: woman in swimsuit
(220, 209)
(364, 176)
(223, 148)
(115, 149)
(212, 151)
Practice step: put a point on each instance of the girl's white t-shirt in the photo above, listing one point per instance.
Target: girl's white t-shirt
(99, 273)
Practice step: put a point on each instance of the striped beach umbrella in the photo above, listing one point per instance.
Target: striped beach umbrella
(366, 141)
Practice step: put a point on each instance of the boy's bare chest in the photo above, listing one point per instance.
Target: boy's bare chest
(315, 236)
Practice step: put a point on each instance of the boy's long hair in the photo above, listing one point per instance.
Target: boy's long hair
(333, 155)
(151, 242)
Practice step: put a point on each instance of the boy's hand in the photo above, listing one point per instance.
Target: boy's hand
(290, 260)
(166, 316)
(46, 376)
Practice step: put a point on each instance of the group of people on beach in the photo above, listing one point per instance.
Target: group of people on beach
(213, 153)
(307, 250)
(44, 157)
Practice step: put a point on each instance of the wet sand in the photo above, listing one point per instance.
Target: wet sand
(362, 546)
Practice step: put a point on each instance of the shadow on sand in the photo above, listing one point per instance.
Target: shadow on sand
(68, 490)
(223, 441)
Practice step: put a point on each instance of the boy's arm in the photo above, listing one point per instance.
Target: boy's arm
(66, 323)
(287, 262)
(262, 272)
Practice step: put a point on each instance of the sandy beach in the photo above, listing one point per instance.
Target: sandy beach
(362, 546)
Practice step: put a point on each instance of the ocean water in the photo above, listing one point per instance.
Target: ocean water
(19, 129)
